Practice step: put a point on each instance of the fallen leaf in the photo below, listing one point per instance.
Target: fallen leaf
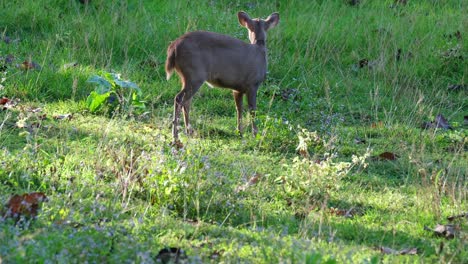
(252, 181)
(447, 231)
(171, 255)
(26, 205)
(177, 144)
(453, 53)
(453, 217)
(387, 156)
(9, 103)
(29, 65)
(406, 251)
(4, 101)
(63, 222)
(289, 93)
(363, 63)
(63, 117)
(348, 213)
(377, 125)
(255, 179)
(34, 110)
(69, 65)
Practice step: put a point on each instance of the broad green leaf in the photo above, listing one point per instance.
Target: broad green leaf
(127, 84)
(96, 100)
(104, 85)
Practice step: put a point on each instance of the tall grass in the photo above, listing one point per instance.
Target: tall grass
(364, 78)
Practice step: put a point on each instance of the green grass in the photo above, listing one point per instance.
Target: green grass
(118, 192)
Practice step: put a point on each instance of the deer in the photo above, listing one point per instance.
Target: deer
(222, 61)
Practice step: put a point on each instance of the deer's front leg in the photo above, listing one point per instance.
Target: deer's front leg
(252, 101)
(238, 96)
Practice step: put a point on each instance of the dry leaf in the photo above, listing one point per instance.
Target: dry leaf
(252, 181)
(406, 251)
(377, 125)
(4, 101)
(26, 205)
(64, 117)
(63, 222)
(447, 231)
(453, 217)
(387, 156)
(9, 103)
(349, 213)
(177, 144)
(29, 65)
(255, 179)
(289, 93)
(69, 65)
(363, 63)
(34, 110)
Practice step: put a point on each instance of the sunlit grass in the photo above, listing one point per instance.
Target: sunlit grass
(119, 192)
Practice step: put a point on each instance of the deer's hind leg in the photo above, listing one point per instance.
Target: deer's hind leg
(182, 101)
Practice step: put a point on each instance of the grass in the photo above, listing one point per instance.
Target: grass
(118, 192)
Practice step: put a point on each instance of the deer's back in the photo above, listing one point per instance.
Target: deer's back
(222, 60)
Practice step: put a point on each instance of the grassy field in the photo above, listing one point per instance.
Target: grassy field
(350, 164)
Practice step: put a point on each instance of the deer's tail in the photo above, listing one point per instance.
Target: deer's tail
(170, 61)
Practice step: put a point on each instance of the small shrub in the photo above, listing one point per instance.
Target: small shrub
(115, 94)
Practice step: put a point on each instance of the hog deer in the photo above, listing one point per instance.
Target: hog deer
(220, 61)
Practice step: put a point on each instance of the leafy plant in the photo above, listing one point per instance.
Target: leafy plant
(311, 181)
(115, 94)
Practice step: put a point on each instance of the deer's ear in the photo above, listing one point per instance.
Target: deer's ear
(244, 19)
(272, 21)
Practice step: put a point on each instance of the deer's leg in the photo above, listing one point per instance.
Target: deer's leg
(186, 109)
(183, 100)
(238, 96)
(252, 101)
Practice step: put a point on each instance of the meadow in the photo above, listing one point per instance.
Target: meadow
(361, 155)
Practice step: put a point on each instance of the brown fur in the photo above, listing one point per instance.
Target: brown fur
(221, 61)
